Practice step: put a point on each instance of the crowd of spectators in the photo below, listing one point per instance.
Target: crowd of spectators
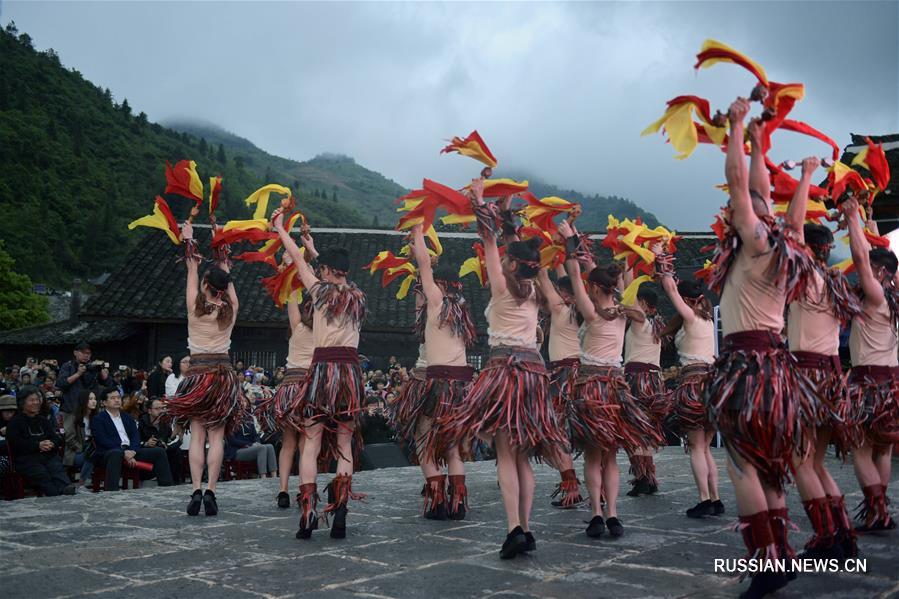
(62, 423)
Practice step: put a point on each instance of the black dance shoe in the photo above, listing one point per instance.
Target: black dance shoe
(717, 508)
(701, 509)
(764, 583)
(338, 526)
(596, 527)
(283, 500)
(532, 542)
(193, 508)
(614, 526)
(516, 542)
(210, 507)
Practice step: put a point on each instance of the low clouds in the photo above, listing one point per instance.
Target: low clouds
(560, 90)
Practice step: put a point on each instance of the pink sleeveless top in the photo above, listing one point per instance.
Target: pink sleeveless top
(300, 347)
(639, 346)
(695, 342)
(603, 342)
(872, 340)
(812, 325)
(204, 335)
(563, 338)
(749, 300)
(339, 333)
(510, 324)
(441, 346)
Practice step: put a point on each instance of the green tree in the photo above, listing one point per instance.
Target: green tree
(221, 155)
(19, 305)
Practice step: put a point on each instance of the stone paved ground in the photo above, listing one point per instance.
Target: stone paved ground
(141, 544)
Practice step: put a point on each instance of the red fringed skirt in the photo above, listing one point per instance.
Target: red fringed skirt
(873, 406)
(751, 402)
(648, 388)
(210, 393)
(332, 397)
(281, 410)
(562, 379)
(444, 393)
(829, 405)
(688, 407)
(402, 412)
(603, 414)
(511, 395)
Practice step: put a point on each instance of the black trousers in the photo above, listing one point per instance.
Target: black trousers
(44, 471)
(112, 461)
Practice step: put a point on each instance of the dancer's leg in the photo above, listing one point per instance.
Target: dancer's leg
(611, 482)
(426, 462)
(711, 465)
(215, 456)
(593, 478)
(751, 498)
(345, 447)
(507, 473)
(286, 457)
(312, 445)
(525, 488)
(454, 464)
(196, 453)
(830, 485)
(699, 463)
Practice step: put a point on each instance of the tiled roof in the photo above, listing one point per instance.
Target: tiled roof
(68, 332)
(150, 285)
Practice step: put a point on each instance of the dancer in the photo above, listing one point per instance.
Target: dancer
(281, 411)
(813, 333)
(564, 359)
(604, 415)
(695, 342)
(449, 330)
(642, 354)
(210, 396)
(750, 395)
(333, 391)
(510, 403)
(874, 379)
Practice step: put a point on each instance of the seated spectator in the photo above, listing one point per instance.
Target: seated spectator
(49, 383)
(117, 440)
(7, 411)
(131, 406)
(35, 445)
(117, 378)
(375, 428)
(177, 375)
(25, 378)
(392, 364)
(77, 425)
(244, 446)
(157, 378)
(156, 431)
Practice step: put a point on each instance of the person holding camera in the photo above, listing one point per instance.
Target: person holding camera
(79, 374)
(156, 431)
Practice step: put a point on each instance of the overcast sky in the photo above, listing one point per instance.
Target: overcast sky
(561, 90)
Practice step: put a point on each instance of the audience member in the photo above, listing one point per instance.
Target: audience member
(117, 440)
(157, 378)
(7, 411)
(156, 431)
(79, 374)
(79, 445)
(35, 445)
(244, 446)
(177, 375)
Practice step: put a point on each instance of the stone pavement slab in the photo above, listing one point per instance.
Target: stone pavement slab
(142, 544)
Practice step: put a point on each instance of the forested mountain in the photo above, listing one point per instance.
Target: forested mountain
(76, 166)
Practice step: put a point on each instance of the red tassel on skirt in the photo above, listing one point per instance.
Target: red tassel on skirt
(511, 395)
(402, 412)
(604, 414)
(648, 388)
(828, 405)
(562, 379)
(333, 398)
(873, 406)
(750, 401)
(281, 411)
(689, 411)
(209, 394)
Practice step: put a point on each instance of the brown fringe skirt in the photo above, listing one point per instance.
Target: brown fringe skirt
(648, 388)
(511, 395)
(281, 410)
(829, 405)
(688, 407)
(603, 414)
(210, 393)
(444, 393)
(873, 406)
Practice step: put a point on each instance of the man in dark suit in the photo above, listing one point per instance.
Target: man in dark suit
(118, 440)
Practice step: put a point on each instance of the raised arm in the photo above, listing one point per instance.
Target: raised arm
(759, 179)
(859, 247)
(554, 301)
(491, 251)
(799, 203)
(680, 306)
(581, 299)
(425, 272)
(744, 218)
(293, 312)
(303, 270)
(193, 276)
